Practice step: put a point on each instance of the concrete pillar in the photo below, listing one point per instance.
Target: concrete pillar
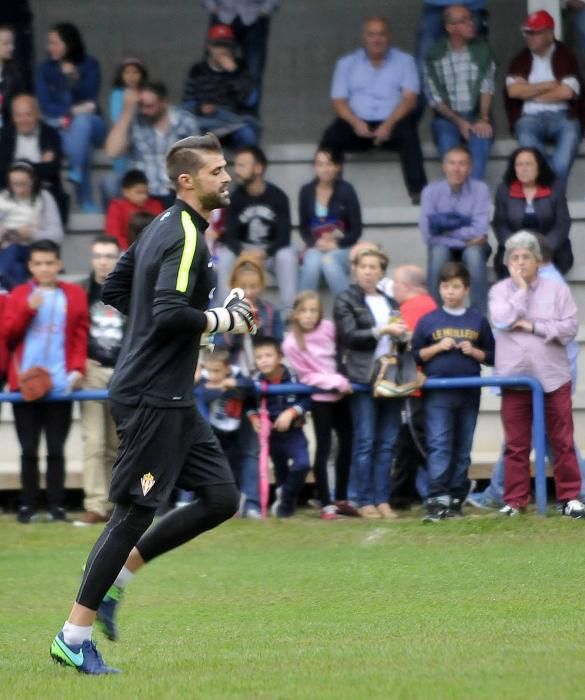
(553, 7)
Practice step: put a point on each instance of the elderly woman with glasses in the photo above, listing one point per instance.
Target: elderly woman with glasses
(534, 319)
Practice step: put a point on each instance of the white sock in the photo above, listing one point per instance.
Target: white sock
(75, 634)
(124, 577)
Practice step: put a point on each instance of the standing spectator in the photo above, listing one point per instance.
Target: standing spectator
(146, 129)
(535, 319)
(330, 221)
(26, 137)
(531, 199)
(135, 198)
(374, 93)
(17, 15)
(460, 81)
(258, 221)
(27, 213)
(46, 323)
(220, 91)
(451, 342)
(362, 319)
(11, 82)
(131, 75)
(454, 220)
(106, 330)
(68, 85)
(310, 350)
(545, 100)
(250, 22)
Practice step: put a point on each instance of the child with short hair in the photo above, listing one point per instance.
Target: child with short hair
(135, 198)
(310, 350)
(288, 445)
(452, 341)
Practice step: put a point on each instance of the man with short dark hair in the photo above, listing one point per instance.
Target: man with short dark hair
(162, 283)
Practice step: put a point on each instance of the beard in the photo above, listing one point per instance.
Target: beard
(215, 200)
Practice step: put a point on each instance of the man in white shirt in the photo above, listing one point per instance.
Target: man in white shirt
(544, 94)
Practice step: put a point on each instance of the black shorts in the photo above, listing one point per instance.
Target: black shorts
(161, 448)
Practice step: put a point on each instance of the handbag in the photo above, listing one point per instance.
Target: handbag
(36, 382)
(396, 374)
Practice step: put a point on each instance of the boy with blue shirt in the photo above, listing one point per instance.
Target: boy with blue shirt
(452, 341)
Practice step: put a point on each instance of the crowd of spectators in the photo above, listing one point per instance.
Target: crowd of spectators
(438, 318)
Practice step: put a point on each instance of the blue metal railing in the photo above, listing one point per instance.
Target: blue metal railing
(538, 424)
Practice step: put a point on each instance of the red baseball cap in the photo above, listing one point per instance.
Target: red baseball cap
(220, 34)
(538, 21)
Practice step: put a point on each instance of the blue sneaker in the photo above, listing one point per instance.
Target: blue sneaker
(482, 501)
(84, 657)
(106, 613)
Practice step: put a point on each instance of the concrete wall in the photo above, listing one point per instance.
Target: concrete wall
(307, 36)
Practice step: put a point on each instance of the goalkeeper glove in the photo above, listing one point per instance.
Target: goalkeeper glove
(235, 316)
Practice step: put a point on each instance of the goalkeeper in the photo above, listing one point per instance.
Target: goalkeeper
(163, 283)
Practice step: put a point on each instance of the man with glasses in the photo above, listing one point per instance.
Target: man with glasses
(545, 94)
(145, 131)
(459, 77)
(106, 331)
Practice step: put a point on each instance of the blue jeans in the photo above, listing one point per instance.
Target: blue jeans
(13, 265)
(446, 135)
(333, 265)
(239, 130)
(246, 466)
(536, 130)
(86, 131)
(450, 418)
(375, 424)
(474, 257)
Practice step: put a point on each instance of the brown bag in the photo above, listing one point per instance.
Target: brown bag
(396, 375)
(35, 383)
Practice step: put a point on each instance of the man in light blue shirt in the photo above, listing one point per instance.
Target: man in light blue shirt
(374, 93)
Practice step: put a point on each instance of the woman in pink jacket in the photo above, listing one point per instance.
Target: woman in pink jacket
(309, 348)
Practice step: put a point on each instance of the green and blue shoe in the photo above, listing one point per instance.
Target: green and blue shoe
(84, 657)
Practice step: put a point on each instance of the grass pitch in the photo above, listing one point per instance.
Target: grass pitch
(481, 608)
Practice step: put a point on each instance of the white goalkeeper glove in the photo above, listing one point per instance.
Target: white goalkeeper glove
(235, 316)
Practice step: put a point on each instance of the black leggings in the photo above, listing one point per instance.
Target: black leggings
(328, 416)
(128, 528)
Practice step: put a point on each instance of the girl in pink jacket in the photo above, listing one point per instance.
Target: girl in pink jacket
(310, 350)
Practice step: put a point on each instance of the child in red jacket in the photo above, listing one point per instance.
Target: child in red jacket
(45, 324)
(134, 198)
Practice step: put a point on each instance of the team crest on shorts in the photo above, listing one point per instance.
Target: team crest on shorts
(147, 482)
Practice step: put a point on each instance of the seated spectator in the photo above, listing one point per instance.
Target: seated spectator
(250, 22)
(535, 319)
(531, 199)
(544, 94)
(310, 350)
(131, 76)
(138, 222)
(17, 15)
(11, 82)
(221, 93)
(134, 185)
(374, 93)
(330, 221)
(258, 222)
(27, 213)
(288, 447)
(362, 320)
(451, 342)
(146, 129)
(46, 323)
(460, 82)
(106, 331)
(454, 220)
(26, 137)
(68, 85)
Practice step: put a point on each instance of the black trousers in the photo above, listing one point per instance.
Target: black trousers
(408, 456)
(31, 419)
(328, 416)
(340, 136)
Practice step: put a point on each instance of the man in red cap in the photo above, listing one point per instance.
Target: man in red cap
(221, 93)
(545, 96)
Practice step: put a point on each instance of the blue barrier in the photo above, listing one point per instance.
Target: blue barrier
(538, 424)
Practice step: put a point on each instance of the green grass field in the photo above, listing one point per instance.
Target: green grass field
(481, 608)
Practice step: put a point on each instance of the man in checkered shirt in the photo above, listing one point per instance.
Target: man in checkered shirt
(459, 77)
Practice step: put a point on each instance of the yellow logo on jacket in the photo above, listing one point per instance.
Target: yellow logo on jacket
(147, 482)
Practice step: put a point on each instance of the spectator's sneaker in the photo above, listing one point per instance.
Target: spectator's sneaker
(329, 513)
(435, 511)
(252, 514)
(277, 502)
(480, 500)
(314, 503)
(455, 509)
(509, 511)
(106, 613)
(26, 515)
(57, 515)
(386, 512)
(369, 512)
(90, 517)
(574, 509)
(84, 657)
(348, 508)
